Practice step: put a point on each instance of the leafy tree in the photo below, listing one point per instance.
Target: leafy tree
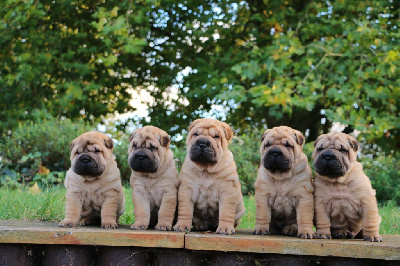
(303, 64)
(299, 63)
(72, 58)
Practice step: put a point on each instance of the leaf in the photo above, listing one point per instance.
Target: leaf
(34, 189)
(43, 170)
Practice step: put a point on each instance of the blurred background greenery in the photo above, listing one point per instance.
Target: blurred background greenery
(71, 66)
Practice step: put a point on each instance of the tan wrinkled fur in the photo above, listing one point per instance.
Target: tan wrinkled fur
(154, 195)
(89, 198)
(285, 200)
(210, 193)
(345, 205)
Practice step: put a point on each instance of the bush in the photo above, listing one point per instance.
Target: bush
(121, 153)
(245, 149)
(384, 172)
(38, 151)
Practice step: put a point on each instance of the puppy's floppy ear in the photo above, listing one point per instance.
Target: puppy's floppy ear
(353, 143)
(227, 130)
(71, 146)
(164, 140)
(109, 143)
(132, 135)
(263, 135)
(318, 139)
(299, 137)
(193, 124)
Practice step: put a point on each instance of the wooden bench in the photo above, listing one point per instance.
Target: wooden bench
(44, 243)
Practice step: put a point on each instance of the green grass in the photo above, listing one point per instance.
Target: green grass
(49, 205)
(21, 204)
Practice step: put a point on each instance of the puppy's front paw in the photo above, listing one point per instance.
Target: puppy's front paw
(323, 234)
(139, 226)
(261, 230)
(226, 228)
(109, 225)
(373, 238)
(306, 233)
(182, 226)
(163, 226)
(67, 223)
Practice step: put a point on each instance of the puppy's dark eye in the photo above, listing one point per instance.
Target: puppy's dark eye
(152, 148)
(195, 134)
(216, 137)
(134, 146)
(287, 145)
(343, 151)
(267, 145)
(320, 149)
(97, 150)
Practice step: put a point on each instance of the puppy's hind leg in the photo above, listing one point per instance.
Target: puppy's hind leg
(290, 230)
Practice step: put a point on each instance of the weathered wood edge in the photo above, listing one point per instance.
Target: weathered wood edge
(49, 233)
(244, 241)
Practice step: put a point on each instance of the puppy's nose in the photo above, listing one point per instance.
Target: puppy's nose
(203, 143)
(275, 152)
(140, 156)
(85, 159)
(328, 157)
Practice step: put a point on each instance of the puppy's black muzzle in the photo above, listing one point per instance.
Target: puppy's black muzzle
(202, 152)
(142, 162)
(87, 166)
(274, 160)
(328, 164)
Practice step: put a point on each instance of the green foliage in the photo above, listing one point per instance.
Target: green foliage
(384, 172)
(245, 149)
(74, 58)
(304, 64)
(121, 153)
(38, 151)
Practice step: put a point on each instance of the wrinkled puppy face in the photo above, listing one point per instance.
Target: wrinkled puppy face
(90, 153)
(334, 153)
(148, 149)
(207, 139)
(280, 148)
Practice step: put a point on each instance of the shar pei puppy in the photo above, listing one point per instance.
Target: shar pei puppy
(284, 190)
(94, 190)
(209, 196)
(154, 179)
(345, 203)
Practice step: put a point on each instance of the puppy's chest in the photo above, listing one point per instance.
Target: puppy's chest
(207, 194)
(339, 199)
(283, 202)
(155, 195)
(92, 198)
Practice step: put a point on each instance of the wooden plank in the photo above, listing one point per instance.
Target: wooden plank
(28, 232)
(244, 241)
(49, 233)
